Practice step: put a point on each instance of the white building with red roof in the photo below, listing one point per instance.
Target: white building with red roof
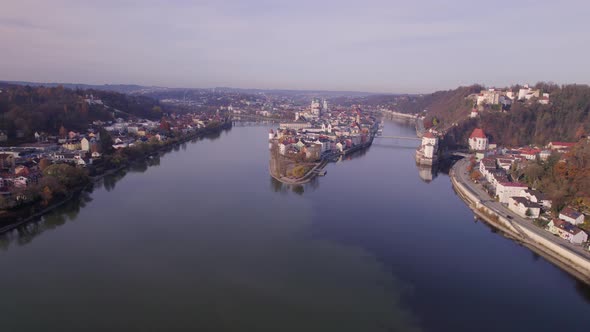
(426, 154)
(560, 146)
(478, 140)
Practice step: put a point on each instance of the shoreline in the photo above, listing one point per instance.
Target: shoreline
(567, 260)
(94, 179)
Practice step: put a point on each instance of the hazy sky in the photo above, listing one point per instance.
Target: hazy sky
(380, 46)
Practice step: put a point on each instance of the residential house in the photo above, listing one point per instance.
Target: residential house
(572, 216)
(524, 207)
(538, 197)
(560, 146)
(567, 231)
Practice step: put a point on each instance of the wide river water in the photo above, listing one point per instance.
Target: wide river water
(204, 240)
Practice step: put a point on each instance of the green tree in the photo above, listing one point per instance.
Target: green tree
(106, 141)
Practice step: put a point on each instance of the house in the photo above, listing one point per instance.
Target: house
(497, 176)
(505, 190)
(524, 207)
(567, 231)
(486, 165)
(560, 146)
(572, 216)
(527, 93)
(544, 155)
(538, 197)
(505, 163)
(530, 154)
(478, 140)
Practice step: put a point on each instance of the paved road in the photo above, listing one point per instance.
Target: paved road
(460, 173)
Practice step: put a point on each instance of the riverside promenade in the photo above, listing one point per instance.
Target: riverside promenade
(572, 258)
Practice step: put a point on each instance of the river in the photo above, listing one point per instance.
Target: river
(204, 239)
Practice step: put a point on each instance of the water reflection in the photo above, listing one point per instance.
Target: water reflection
(427, 173)
(280, 187)
(26, 233)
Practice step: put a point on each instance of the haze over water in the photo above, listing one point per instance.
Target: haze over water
(205, 239)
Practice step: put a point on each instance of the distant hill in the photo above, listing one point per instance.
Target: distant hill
(447, 107)
(141, 89)
(121, 88)
(293, 93)
(27, 109)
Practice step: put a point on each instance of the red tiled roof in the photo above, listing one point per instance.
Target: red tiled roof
(569, 212)
(563, 143)
(477, 133)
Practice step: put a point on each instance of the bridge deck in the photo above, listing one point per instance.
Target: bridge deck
(400, 137)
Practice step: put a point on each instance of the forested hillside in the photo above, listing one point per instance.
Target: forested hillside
(25, 109)
(565, 118)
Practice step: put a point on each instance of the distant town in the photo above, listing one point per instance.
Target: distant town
(301, 148)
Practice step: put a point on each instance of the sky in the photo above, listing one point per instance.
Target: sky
(373, 45)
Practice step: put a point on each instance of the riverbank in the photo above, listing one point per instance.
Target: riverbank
(545, 244)
(35, 210)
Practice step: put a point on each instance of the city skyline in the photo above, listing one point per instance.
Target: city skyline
(380, 46)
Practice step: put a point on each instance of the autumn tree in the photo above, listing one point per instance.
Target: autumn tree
(164, 125)
(475, 175)
(46, 195)
(44, 163)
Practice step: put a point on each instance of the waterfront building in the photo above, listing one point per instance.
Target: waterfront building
(478, 140)
(567, 231)
(572, 216)
(295, 125)
(505, 190)
(427, 152)
(524, 207)
(538, 197)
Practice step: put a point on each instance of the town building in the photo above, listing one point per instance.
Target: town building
(505, 190)
(295, 125)
(524, 207)
(572, 216)
(478, 140)
(427, 152)
(567, 231)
